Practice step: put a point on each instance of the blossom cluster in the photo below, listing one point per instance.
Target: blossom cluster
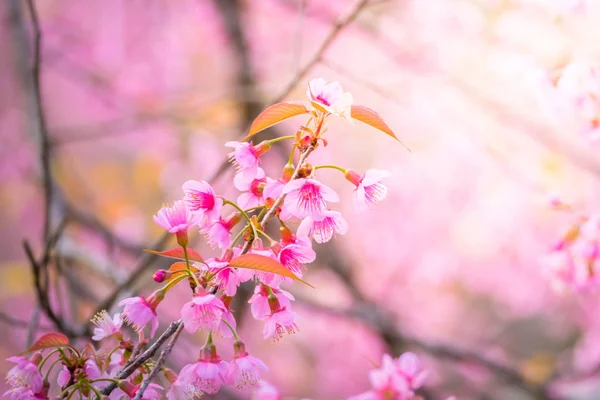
(304, 209)
(574, 91)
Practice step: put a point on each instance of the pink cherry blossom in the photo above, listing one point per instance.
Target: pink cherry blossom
(227, 279)
(279, 323)
(204, 375)
(200, 197)
(175, 217)
(91, 369)
(183, 391)
(295, 255)
(260, 304)
(395, 378)
(246, 158)
(273, 188)
(307, 197)
(202, 312)
(138, 312)
(24, 375)
(244, 370)
(222, 328)
(253, 190)
(330, 97)
(322, 230)
(369, 189)
(265, 391)
(105, 326)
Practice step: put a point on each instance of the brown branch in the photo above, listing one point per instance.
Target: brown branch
(145, 356)
(161, 360)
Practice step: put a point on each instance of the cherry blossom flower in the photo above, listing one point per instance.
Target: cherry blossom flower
(90, 369)
(24, 376)
(202, 312)
(260, 304)
(219, 233)
(273, 188)
(330, 97)
(200, 197)
(151, 392)
(206, 375)
(139, 311)
(396, 378)
(307, 197)
(293, 256)
(183, 391)
(105, 326)
(322, 230)
(279, 323)
(369, 189)
(253, 190)
(246, 158)
(222, 328)
(244, 370)
(265, 391)
(227, 278)
(175, 217)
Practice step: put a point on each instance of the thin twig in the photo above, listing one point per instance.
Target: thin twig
(161, 360)
(145, 356)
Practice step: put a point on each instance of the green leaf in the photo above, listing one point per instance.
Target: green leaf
(274, 115)
(48, 341)
(371, 118)
(265, 264)
(178, 254)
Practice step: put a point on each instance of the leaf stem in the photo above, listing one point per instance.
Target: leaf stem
(231, 203)
(281, 138)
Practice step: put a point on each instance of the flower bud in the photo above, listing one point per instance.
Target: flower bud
(288, 172)
(170, 375)
(129, 388)
(160, 275)
(36, 358)
(353, 177)
(239, 349)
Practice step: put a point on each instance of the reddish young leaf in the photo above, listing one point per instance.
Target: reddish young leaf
(177, 268)
(48, 341)
(274, 115)
(264, 263)
(178, 254)
(371, 118)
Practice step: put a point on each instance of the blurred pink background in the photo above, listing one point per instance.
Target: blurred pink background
(141, 96)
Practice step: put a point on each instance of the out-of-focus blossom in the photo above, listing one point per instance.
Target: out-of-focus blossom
(573, 262)
(369, 189)
(330, 97)
(395, 379)
(175, 217)
(222, 328)
(24, 377)
(307, 197)
(91, 370)
(106, 326)
(202, 312)
(265, 391)
(200, 197)
(138, 311)
(244, 370)
(183, 391)
(151, 392)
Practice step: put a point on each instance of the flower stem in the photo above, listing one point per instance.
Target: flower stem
(50, 369)
(175, 281)
(187, 265)
(235, 335)
(261, 232)
(281, 138)
(96, 391)
(46, 358)
(332, 167)
(231, 203)
(105, 380)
